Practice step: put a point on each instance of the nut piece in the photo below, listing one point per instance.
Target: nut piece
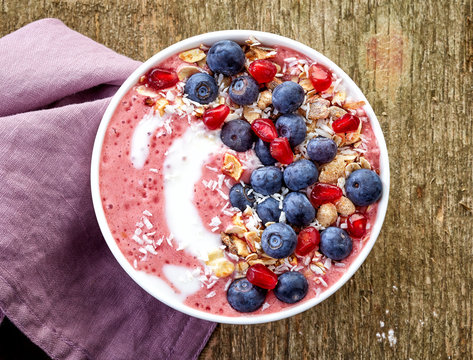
(335, 112)
(273, 83)
(241, 246)
(345, 207)
(338, 140)
(202, 63)
(251, 238)
(339, 98)
(306, 84)
(365, 164)
(269, 261)
(351, 167)
(319, 109)
(331, 171)
(186, 71)
(232, 166)
(348, 158)
(258, 53)
(235, 229)
(237, 220)
(250, 114)
(222, 267)
(192, 55)
(353, 105)
(265, 99)
(227, 240)
(327, 214)
(351, 137)
(242, 266)
(160, 105)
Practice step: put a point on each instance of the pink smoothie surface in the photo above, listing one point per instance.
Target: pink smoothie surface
(134, 202)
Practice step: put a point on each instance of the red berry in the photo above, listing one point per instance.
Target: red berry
(320, 77)
(264, 129)
(347, 123)
(356, 225)
(214, 118)
(263, 71)
(161, 79)
(307, 240)
(281, 150)
(324, 193)
(261, 276)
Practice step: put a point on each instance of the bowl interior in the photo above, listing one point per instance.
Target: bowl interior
(152, 286)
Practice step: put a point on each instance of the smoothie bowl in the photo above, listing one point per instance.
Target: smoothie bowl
(240, 177)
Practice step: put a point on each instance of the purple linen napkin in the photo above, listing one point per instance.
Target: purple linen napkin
(59, 283)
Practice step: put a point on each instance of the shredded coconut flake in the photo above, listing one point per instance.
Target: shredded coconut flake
(265, 306)
(147, 223)
(222, 194)
(169, 239)
(137, 239)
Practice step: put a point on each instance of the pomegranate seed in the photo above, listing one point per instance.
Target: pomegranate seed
(307, 241)
(356, 225)
(264, 129)
(261, 276)
(281, 150)
(263, 71)
(320, 77)
(214, 118)
(161, 79)
(347, 123)
(324, 193)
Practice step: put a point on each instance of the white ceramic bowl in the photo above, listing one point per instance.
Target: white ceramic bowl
(239, 36)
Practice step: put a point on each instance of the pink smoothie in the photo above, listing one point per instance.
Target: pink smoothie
(133, 191)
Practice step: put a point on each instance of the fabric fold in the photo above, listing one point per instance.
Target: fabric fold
(42, 63)
(59, 283)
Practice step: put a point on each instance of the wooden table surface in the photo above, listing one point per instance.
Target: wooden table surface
(413, 297)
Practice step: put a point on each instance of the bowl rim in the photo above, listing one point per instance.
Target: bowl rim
(240, 36)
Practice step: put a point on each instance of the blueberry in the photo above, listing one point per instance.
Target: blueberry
(202, 88)
(263, 153)
(237, 135)
(243, 296)
(363, 187)
(278, 240)
(321, 149)
(288, 97)
(292, 127)
(243, 90)
(292, 287)
(268, 210)
(239, 197)
(300, 174)
(226, 57)
(266, 180)
(335, 243)
(298, 209)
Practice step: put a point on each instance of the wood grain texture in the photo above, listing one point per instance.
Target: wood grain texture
(414, 62)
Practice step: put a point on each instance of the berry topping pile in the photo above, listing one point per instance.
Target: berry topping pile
(306, 203)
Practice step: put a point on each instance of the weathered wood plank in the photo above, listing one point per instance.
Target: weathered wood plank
(414, 61)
